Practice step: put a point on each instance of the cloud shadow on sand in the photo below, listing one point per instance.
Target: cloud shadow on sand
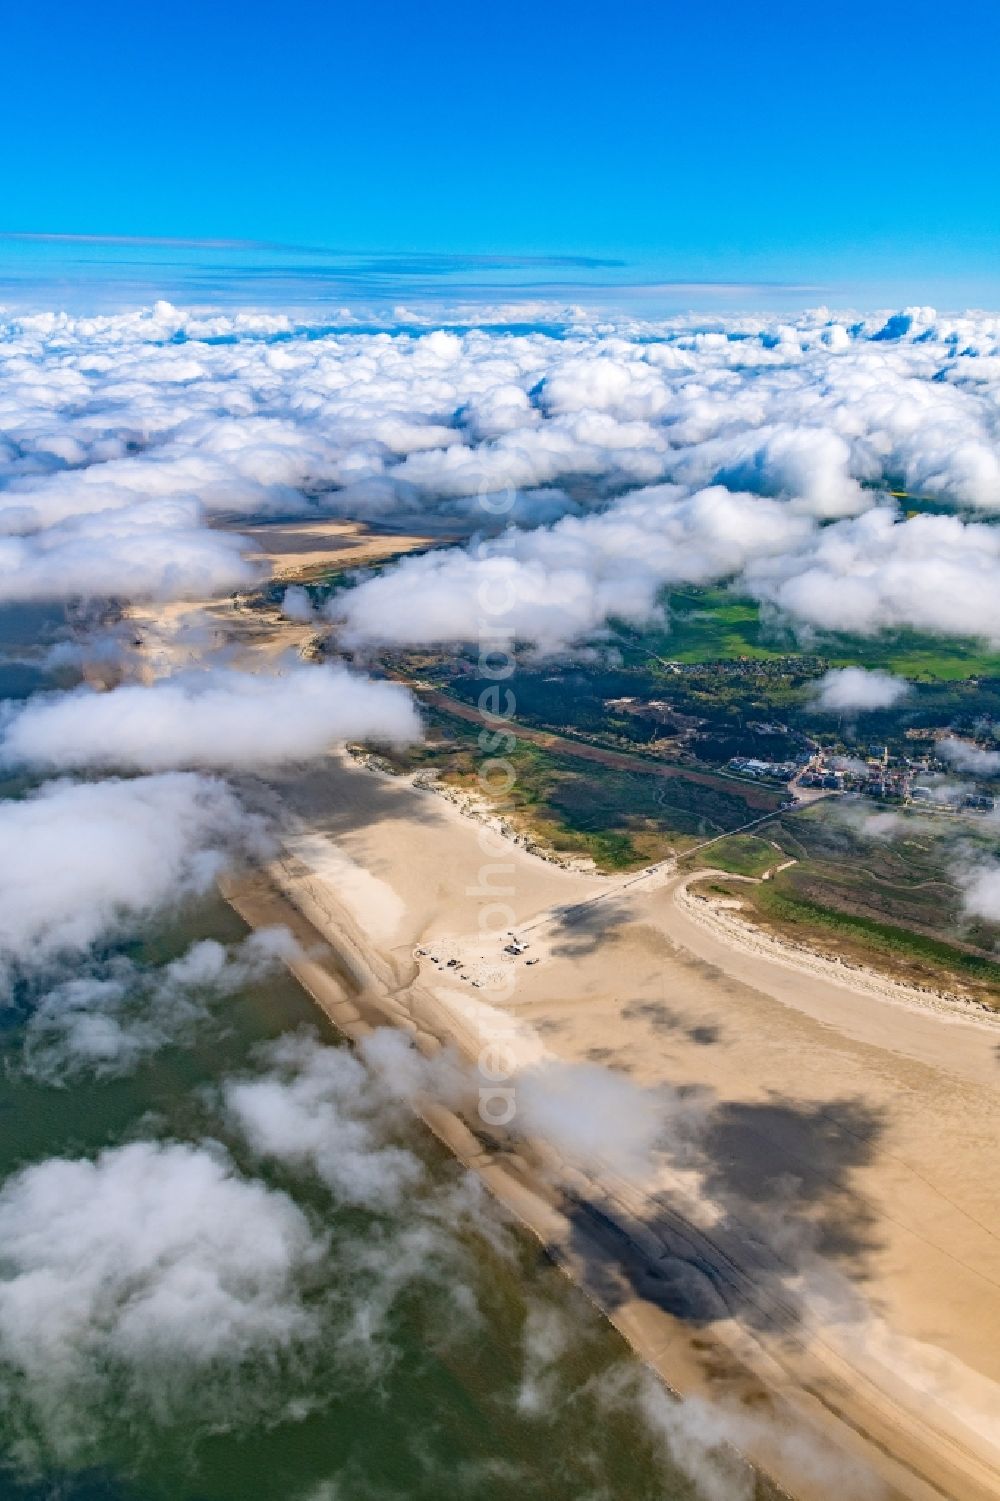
(780, 1177)
(583, 928)
(666, 1020)
(338, 800)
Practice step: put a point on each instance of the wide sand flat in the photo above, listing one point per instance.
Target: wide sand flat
(302, 549)
(183, 633)
(828, 1217)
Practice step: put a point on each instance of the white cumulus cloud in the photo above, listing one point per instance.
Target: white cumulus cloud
(877, 572)
(556, 586)
(86, 859)
(133, 1272)
(111, 1015)
(214, 719)
(844, 690)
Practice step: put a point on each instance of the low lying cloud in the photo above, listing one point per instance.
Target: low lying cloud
(112, 1015)
(810, 466)
(329, 1111)
(968, 757)
(877, 572)
(160, 1286)
(319, 1108)
(86, 859)
(545, 1337)
(705, 1440)
(124, 433)
(296, 605)
(326, 1115)
(152, 551)
(980, 885)
(591, 1116)
(557, 586)
(845, 690)
(214, 719)
(137, 1272)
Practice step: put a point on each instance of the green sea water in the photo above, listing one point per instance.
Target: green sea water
(450, 1404)
(482, 1374)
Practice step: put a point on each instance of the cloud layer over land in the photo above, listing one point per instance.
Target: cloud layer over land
(155, 1251)
(123, 433)
(602, 467)
(113, 1013)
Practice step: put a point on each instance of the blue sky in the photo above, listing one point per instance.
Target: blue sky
(838, 152)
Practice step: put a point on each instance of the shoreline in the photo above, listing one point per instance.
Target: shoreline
(662, 1344)
(719, 916)
(388, 991)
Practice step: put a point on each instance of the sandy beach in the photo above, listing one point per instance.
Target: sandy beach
(821, 1256)
(179, 634)
(300, 550)
(813, 1245)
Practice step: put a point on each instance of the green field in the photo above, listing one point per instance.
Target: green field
(659, 717)
(920, 958)
(742, 855)
(893, 904)
(622, 819)
(710, 625)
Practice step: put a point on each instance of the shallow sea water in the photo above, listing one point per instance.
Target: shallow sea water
(446, 1403)
(442, 1410)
